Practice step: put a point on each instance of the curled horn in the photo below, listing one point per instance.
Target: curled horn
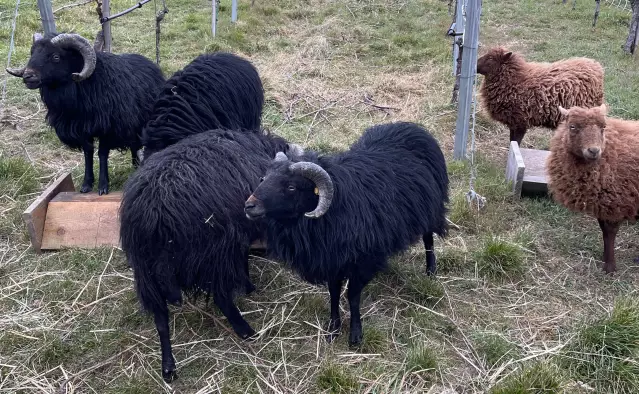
(16, 72)
(83, 46)
(322, 180)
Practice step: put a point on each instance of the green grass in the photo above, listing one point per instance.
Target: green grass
(498, 258)
(604, 352)
(538, 378)
(17, 177)
(421, 358)
(335, 379)
(494, 349)
(516, 278)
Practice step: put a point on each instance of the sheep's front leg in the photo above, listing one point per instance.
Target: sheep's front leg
(334, 325)
(431, 262)
(87, 183)
(103, 180)
(609, 230)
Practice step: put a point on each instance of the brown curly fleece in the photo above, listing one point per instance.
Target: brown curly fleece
(603, 184)
(523, 95)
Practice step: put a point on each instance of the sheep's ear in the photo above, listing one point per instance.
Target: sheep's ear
(507, 55)
(280, 156)
(295, 150)
(563, 111)
(603, 109)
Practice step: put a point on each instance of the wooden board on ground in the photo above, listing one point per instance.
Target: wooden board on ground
(35, 216)
(76, 220)
(526, 168)
(61, 218)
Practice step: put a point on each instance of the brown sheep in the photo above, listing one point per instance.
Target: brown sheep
(592, 168)
(523, 94)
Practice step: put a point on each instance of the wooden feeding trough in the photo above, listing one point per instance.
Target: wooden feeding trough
(63, 218)
(526, 168)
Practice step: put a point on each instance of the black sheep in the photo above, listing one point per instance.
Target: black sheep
(91, 95)
(214, 91)
(183, 226)
(342, 216)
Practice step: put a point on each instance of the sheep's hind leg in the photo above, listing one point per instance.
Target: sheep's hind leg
(335, 324)
(87, 183)
(609, 230)
(431, 261)
(168, 362)
(103, 179)
(224, 301)
(517, 134)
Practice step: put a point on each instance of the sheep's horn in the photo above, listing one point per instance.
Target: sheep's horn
(322, 180)
(280, 156)
(16, 72)
(83, 46)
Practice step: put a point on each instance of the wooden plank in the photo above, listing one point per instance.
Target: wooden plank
(81, 224)
(34, 216)
(515, 168)
(87, 221)
(534, 180)
(88, 197)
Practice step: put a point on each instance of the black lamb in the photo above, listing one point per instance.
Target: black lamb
(183, 227)
(214, 91)
(91, 95)
(342, 216)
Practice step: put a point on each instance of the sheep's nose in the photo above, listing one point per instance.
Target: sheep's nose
(593, 151)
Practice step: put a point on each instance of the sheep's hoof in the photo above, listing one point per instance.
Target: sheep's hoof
(86, 188)
(169, 375)
(103, 190)
(355, 339)
(248, 334)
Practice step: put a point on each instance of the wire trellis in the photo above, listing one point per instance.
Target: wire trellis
(622, 4)
(11, 47)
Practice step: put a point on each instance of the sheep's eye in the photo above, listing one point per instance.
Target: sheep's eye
(261, 179)
(56, 57)
(291, 188)
(572, 127)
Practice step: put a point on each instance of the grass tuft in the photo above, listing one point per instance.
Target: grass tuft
(539, 378)
(604, 353)
(336, 379)
(494, 348)
(421, 358)
(374, 340)
(499, 259)
(17, 177)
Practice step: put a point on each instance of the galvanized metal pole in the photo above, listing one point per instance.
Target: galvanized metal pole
(234, 11)
(106, 26)
(459, 27)
(213, 16)
(467, 80)
(46, 13)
